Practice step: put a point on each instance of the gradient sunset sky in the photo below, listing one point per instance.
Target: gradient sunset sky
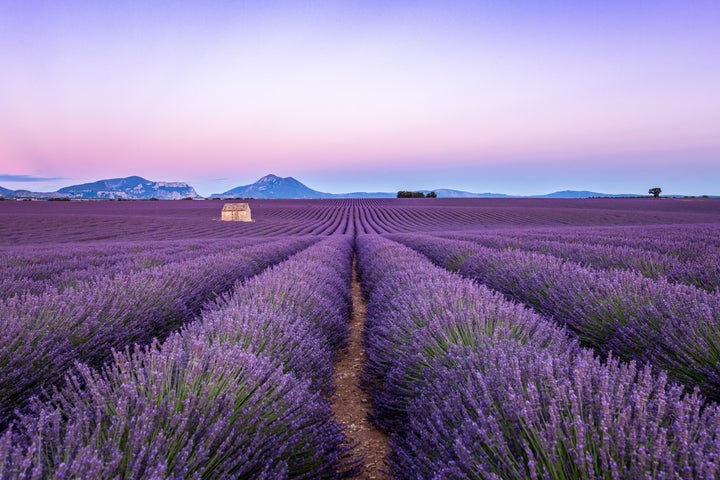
(518, 97)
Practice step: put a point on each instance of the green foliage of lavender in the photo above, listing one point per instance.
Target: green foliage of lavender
(166, 412)
(672, 327)
(518, 412)
(209, 402)
(507, 401)
(41, 336)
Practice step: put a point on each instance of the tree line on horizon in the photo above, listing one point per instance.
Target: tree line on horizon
(408, 194)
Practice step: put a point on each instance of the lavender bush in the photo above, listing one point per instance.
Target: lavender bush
(418, 312)
(684, 242)
(170, 412)
(520, 412)
(42, 335)
(32, 269)
(483, 404)
(298, 323)
(200, 405)
(700, 268)
(673, 327)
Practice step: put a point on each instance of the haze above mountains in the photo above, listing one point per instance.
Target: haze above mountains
(268, 187)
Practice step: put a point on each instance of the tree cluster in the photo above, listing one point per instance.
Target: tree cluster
(408, 194)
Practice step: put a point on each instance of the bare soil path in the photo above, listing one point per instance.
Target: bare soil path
(351, 404)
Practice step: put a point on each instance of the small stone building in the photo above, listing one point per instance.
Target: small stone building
(236, 212)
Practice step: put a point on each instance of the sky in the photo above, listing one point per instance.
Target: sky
(521, 97)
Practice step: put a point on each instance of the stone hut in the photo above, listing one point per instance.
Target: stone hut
(236, 212)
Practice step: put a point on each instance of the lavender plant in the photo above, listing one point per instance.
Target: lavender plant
(31, 269)
(701, 268)
(201, 405)
(521, 412)
(418, 312)
(297, 324)
(173, 412)
(505, 402)
(42, 336)
(673, 327)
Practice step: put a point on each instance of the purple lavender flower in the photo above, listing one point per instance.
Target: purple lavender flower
(673, 327)
(232, 395)
(41, 336)
(499, 393)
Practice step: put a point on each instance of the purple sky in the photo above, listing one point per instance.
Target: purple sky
(516, 97)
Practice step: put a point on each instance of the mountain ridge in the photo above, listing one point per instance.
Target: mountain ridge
(126, 188)
(130, 188)
(270, 186)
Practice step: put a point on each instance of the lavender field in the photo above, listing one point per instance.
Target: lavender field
(504, 338)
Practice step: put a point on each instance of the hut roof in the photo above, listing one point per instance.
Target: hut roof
(234, 207)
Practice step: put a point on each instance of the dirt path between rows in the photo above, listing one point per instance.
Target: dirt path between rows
(350, 404)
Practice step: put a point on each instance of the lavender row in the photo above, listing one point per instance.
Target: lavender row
(688, 243)
(670, 326)
(41, 336)
(416, 312)
(30, 270)
(234, 395)
(702, 272)
(473, 386)
(650, 263)
(295, 314)
(517, 412)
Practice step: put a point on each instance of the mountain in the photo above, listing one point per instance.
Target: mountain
(130, 188)
(6, 193)
(268, 187)
(272, 186)
(582, 194)
(447, 193)
(40, 195)
(364, 195)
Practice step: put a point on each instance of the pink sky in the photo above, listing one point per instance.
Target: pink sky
(361, 96)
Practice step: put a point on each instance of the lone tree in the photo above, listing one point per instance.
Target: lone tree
(655, 192)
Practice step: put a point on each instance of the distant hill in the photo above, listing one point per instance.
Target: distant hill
(268, 187)
(364, 195)
(5, 193)
(41, 195)
(272, 186)
(130, 188)
(447, 193)
(583, 194)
